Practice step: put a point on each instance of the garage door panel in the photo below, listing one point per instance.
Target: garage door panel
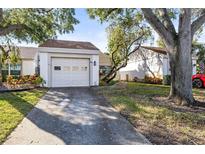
(68, 72)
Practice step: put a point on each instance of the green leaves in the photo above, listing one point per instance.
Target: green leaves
(38, 25)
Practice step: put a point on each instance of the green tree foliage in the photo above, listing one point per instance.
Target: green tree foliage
(31, 26)
(126, 32)
(36, 25)
(177, 28)
(160, 43)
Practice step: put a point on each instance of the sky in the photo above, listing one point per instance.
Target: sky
(95, 32)
(88, 30)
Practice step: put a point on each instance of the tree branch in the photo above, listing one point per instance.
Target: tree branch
(147, 66)
(109, 12)
(196, 24)
(164, 33)
(167, 21)
(1, 15)
(46, 10)
(11, 28)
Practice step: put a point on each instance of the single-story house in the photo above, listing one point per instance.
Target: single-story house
(27, 65)
(147, 61)
(105, 64)
(61, 63)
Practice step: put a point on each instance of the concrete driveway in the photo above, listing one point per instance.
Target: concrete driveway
(74, 116)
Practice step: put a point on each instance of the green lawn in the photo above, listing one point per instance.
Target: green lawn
(162, 122)
(14, 107)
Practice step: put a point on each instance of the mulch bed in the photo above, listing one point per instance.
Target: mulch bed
(6, 88)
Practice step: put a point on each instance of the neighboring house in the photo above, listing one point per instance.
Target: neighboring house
(61, 63)
(148, 61)
(27, 64)
(105, 64)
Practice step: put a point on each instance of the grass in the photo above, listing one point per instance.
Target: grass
(14, 106)
(145, 106)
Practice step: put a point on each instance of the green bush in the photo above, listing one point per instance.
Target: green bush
(166, 79)
(103, 83)
(39, 80)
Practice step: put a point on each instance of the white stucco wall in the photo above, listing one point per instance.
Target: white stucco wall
(158, 64)
(44, 67)
(45, 64)
(137, 66)
(94, 70)
(28, 67)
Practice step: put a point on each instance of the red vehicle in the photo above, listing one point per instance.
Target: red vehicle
(198, 80)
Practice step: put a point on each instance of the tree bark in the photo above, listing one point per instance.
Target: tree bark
(0, 71)
(181, 63)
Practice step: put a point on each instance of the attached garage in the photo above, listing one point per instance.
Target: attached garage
(69, 63)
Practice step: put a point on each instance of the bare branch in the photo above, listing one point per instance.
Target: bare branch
(153, 20)
(11, 28)
(198, 23)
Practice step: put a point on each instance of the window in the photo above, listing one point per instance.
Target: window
(66, 68)
(12, 69)
(15, 67)
(57, 68)
(75, 68)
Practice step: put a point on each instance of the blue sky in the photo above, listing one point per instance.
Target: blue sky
(93, 31)
(88, 30)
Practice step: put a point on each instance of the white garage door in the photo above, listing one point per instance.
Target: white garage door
(67, 72)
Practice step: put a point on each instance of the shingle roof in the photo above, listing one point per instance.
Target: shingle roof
(68, 44)
(156, 49)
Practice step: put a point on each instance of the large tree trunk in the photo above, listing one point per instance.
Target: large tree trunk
(181, 63)
(0, 71)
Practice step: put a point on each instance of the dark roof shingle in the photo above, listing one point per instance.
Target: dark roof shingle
(68, 44)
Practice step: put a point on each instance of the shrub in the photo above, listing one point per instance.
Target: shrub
(38, 80)
(13, 81)
(9, 79)
(102, 83)
(152, 80)
(167, 79)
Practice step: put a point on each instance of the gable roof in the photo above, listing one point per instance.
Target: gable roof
(156, 49)
(68, 44)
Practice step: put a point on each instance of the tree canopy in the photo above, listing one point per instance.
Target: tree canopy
(31, 25)
(126, 32)
(36, 25)
(176, 28)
